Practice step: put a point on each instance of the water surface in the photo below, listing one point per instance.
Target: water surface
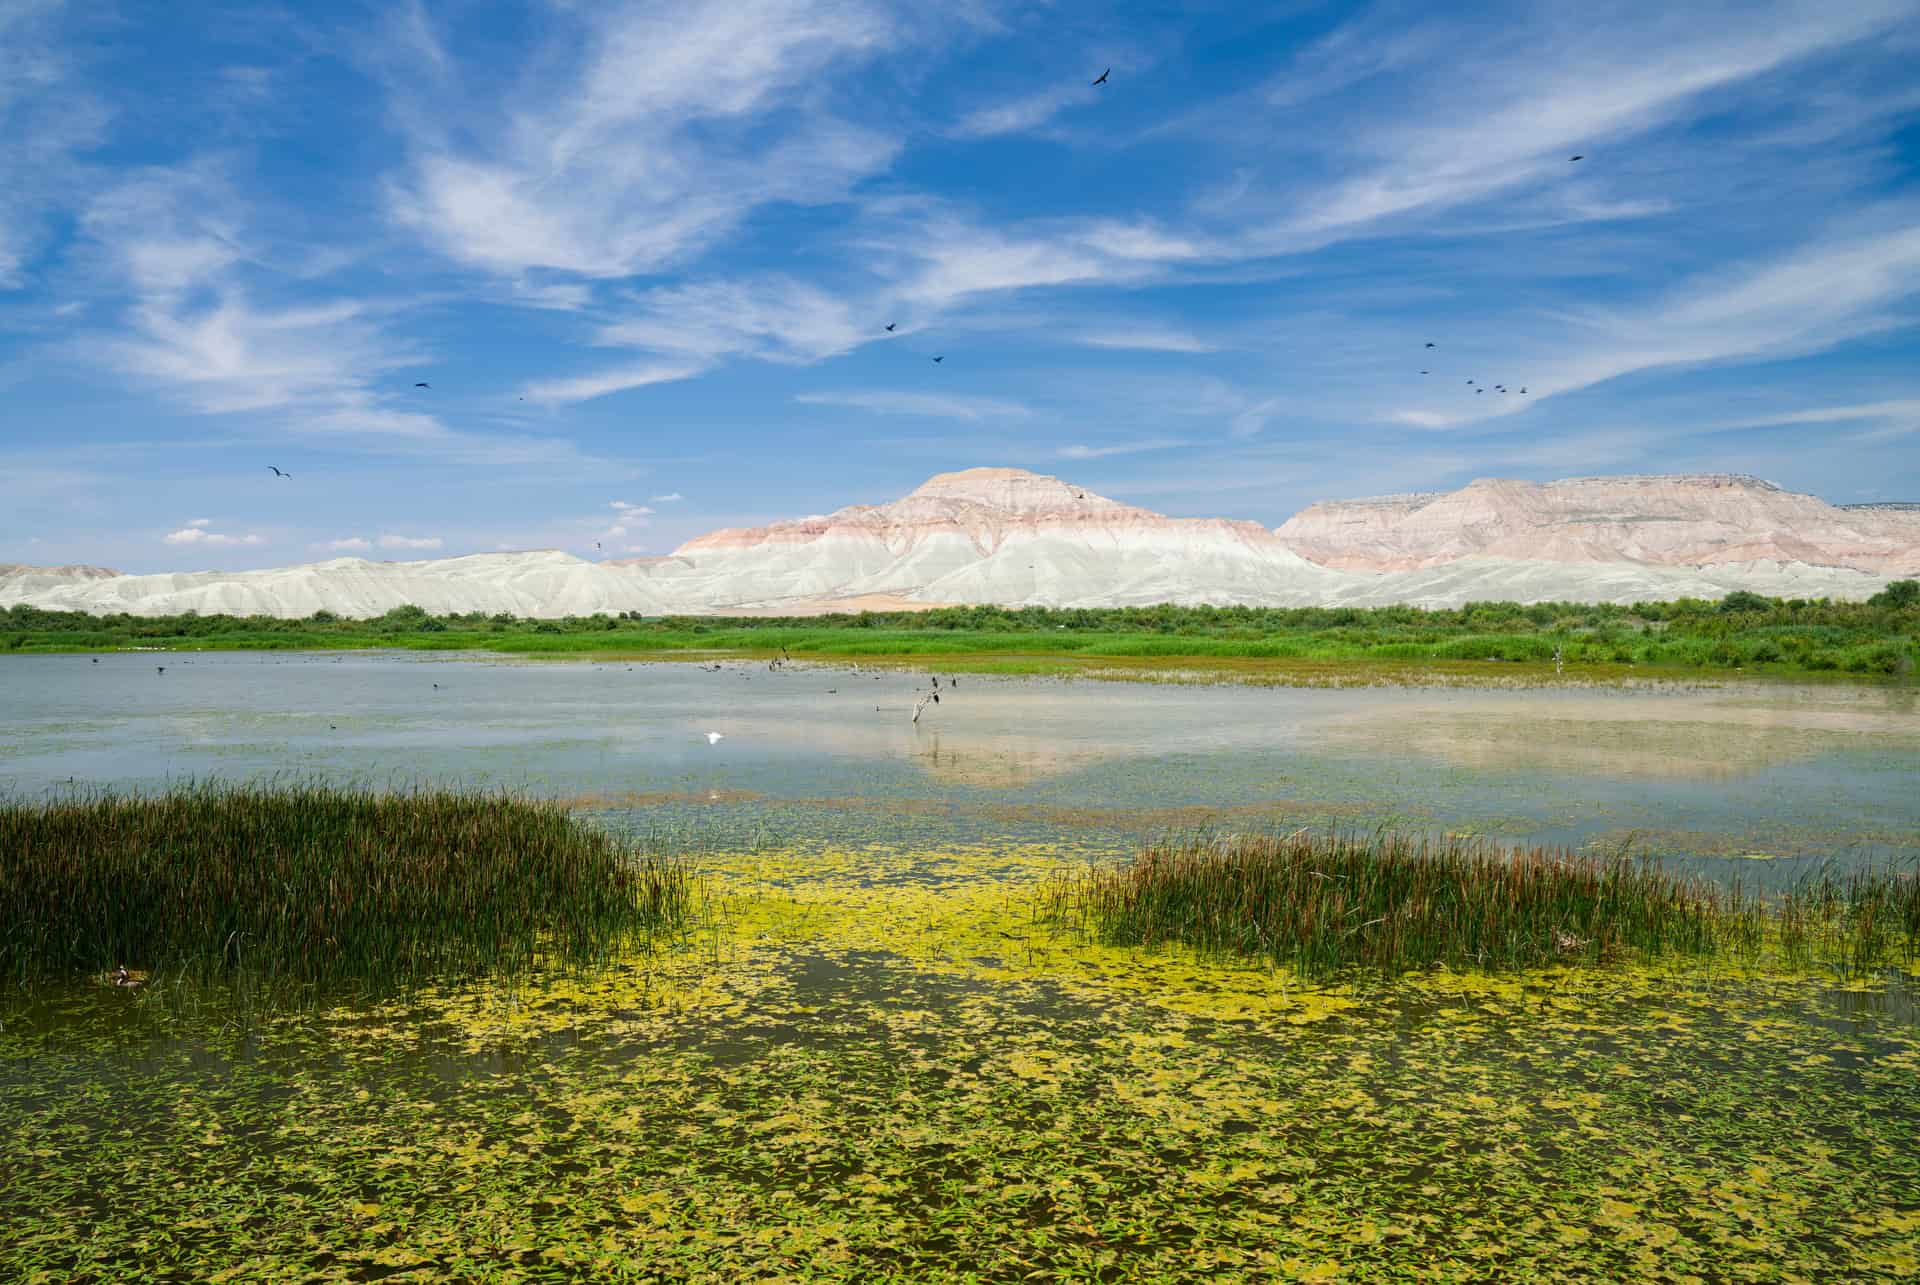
(1724, 776)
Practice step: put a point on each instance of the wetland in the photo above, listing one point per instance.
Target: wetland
(874, 1048)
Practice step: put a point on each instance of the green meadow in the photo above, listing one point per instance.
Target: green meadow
(1744, 632)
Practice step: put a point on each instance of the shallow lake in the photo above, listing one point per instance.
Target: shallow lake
(873, 1059)
(1717, 776)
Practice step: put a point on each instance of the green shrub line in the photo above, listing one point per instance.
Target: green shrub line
(1743, 631)
(1323, 903)
(318, 885)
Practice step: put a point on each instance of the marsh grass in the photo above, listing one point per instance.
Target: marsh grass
(1327, 902)
(319, 885)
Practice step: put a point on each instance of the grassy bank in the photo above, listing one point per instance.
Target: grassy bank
(1323, 903)
(316, 884)
(1744, 632)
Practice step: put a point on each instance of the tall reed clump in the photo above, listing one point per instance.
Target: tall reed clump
(1327, 902)
(318, 884)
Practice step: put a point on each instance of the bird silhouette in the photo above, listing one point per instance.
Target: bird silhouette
(1577, 158)
(714, 738)
(937, 360)
(1103, 77)
(1426, 372)
(1469, 381)
(159, 669)
(1431, 344)
(1523, 391)
(891, 325)
(423, 385)
(278, 473)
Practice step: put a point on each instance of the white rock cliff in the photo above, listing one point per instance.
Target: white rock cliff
(1007, 536)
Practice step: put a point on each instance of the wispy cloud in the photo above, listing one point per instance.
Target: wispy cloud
(199, 535)
(1017, 115)
(1082, 452)
(347, 544)
(179, 239)
(1145, 338)
(1814, 297)
(641, 135)
(1253, 419)
(925, 405)
(410, 542)
(620, 379)
(669, 498)
(777, 318)
(49, 117)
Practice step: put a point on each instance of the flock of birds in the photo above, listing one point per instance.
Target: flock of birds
(783, 660)
(1478, 388)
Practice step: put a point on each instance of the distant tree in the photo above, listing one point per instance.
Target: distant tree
(1901, 593)
(1743, 600)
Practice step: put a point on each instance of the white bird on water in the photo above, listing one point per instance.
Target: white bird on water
(714, 738)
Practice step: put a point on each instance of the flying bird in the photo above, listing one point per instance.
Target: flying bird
(1431, 344)
(1523, 391)
(1426, 372)
(1577, 158)
(714, 738)
(891, 325)
(278, 473)
(423, 385)
(1103, 77)
(937, 360)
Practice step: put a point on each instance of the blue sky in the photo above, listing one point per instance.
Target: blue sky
(644, 254)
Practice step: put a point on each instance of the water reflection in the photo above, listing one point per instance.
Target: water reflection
(831, 754)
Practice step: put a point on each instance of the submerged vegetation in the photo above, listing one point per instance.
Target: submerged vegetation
(318, 884)
(1326, 903)
(884, 1077)
(1743, 631)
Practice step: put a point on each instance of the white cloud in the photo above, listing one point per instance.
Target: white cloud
(776, 318)
(201, 522)
(1252, 419)
(1018, 115)
(641, 134)
(624, 508)
(1146, 338)
(199, 535)
(957, 260)
(669, 498)
(930, 405)
(347, 544)
(1424, 419)
(180, 238)
(48, 118)
(1809, 299)
(410, 542)
(1081, 452)
(1907, 409)
(606, 382)
(1538, 91)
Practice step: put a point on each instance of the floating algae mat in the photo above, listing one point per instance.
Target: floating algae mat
(878, 1063)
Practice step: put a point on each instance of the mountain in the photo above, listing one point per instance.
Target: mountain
(1710, 520)
(995, 535)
